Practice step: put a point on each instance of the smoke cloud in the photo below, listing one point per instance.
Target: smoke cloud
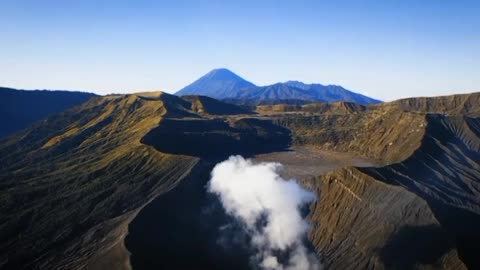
(269, 209)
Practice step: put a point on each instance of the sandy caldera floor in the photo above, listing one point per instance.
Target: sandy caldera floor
(306, 162)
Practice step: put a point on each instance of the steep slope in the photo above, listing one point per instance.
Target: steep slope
(419, 211)
(70, 185)
(387, 135)
(361, 223)
(219, 83)
(445, 171)
(422, 212)
(226, 85)
(19, 108)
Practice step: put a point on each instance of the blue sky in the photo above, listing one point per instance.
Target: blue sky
(387, 49)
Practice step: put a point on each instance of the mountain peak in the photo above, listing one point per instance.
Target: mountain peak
(220, 70)
(222, 73)
(219, 83)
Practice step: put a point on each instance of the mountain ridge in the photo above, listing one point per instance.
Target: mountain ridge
(225, 85)
(108, 150)
(441, 174)
(21, 108)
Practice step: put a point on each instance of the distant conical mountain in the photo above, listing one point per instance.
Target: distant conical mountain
(219, 83)
(226, 85)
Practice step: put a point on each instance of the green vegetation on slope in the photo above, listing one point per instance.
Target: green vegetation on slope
(70, 184)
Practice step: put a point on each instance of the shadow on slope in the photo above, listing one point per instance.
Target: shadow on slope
(217, 138)
(71, 183)
(19, 108)
(445, 172)
(414, 245)
(211, 106)
(182, 229)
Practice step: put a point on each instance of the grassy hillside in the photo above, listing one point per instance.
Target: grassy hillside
(72, 180)
(70, 184)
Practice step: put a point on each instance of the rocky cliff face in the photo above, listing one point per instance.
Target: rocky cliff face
(362, 223)
(387, 136)
(419, 213)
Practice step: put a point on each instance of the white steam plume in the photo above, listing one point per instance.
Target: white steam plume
(269, 208)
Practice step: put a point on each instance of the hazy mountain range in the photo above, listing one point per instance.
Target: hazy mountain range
(223, 84)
